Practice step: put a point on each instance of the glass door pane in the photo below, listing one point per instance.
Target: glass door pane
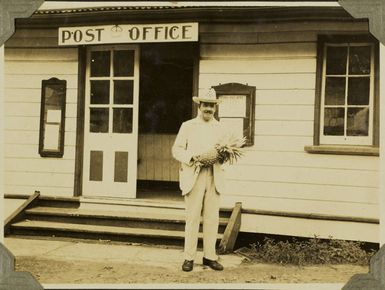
(124, 63)
(123, 92)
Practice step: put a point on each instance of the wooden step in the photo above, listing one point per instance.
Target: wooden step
(138, 204)
(56, 229)
(170, 215)
(171, 220)
(116, 220)
(124, 202)
(65, 202)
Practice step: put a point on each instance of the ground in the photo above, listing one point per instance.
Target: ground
(78, 262)
(78, 272)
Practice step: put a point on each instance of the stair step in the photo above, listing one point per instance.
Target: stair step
(161, 221)
(116, 202)
(99, 231)
(169, 216)
(137, 205)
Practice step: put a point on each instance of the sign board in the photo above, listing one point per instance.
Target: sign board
(232, 106)
(52, 111)
(136, 33)
(234, 126)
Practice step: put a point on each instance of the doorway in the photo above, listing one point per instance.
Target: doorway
(166, 89)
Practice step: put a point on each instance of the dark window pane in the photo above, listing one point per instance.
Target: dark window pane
(335, 91)
(122, 120)
(336, 60)
(124, 63)
(123, 92)
(96, 165)
(100, 63)
(53, 95)
(358, 122)
(359, 60)
(358, 91)
(334, 121)
(121, 166)
(99, 120)
(100, 92)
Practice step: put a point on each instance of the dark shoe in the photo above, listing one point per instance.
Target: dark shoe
(212, 264)
(187, 265)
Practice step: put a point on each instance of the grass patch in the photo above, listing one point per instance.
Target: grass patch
(312, 251)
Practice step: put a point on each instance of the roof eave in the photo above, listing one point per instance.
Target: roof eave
(199, 14)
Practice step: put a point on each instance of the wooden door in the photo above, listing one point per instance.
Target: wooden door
(111, 121)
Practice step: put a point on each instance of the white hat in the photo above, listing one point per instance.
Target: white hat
(210, 96)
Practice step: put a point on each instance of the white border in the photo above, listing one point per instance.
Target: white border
(74, 5)
(256, 286)
(381, 189)
(2, 118)
(78, 4)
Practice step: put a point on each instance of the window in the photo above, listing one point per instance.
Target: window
(236, 109)
(52, 117)
(346, 112)
(111, 91)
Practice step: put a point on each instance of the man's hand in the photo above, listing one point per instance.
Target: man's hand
(207, 159)
(196, 160)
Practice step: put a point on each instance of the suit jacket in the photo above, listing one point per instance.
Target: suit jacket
(196, 137)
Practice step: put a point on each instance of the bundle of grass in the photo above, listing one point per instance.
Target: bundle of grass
(311, 251)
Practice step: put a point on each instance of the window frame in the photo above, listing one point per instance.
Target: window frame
(249, 92)
(323, 40)
(111, 106)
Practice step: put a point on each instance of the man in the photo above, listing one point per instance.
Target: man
(200, 184)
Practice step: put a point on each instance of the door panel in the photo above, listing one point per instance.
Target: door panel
(111, 121)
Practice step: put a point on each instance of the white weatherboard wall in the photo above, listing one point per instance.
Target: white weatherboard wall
(276, 174)
(30, 57)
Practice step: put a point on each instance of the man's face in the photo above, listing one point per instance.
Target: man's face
(207, 110)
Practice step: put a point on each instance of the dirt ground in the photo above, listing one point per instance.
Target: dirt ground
(78, 272)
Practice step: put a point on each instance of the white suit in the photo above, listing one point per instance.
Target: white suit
(200, 186)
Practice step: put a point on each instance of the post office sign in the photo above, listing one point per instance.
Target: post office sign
(137, 33)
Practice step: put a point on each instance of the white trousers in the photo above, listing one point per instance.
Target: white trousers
(203, 200)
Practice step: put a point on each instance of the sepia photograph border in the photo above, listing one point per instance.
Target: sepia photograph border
(374, 10)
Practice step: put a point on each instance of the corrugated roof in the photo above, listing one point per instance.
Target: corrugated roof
(101, 9)
(56, 7)
(98, 12)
